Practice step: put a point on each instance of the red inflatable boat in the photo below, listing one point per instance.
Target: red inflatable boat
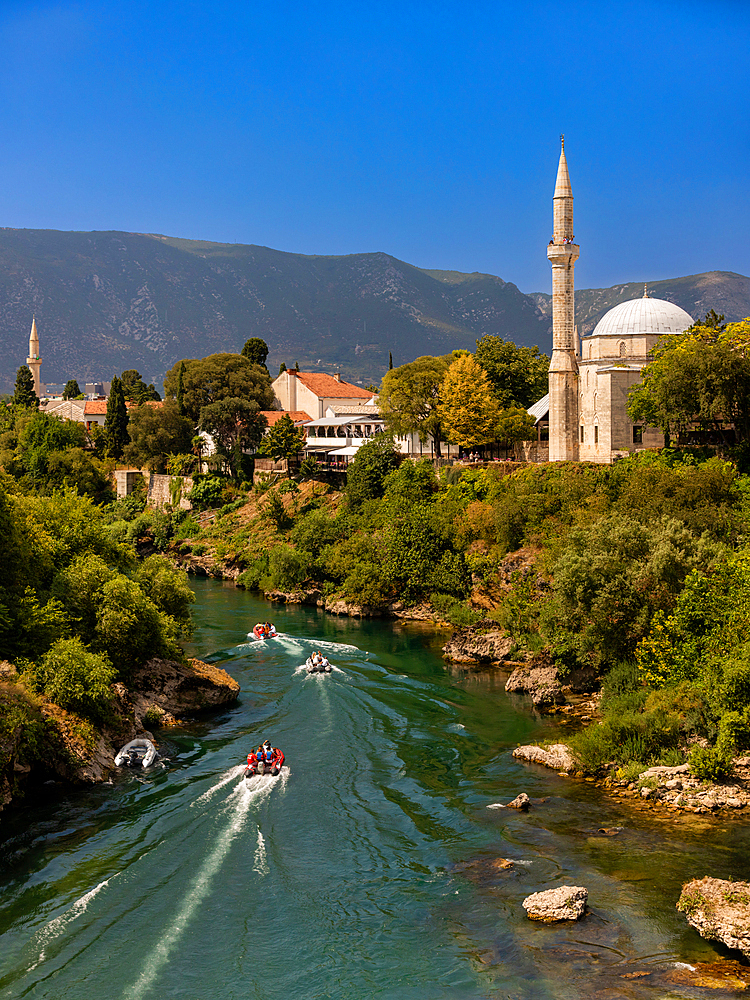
(264, 630)
(265, 760)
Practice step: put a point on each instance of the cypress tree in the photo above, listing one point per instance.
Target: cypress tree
(71, 389)
(282, 368)
(116, 422)
(24, 394)
(390, 361)
(181, 389)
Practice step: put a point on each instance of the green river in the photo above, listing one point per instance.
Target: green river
(365, 870)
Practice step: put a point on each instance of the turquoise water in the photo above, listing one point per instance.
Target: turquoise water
(364, 870)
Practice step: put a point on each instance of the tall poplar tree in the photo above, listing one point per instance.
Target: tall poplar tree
(116, 422)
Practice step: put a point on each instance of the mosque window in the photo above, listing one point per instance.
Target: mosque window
(582, 434)
(637, 435)
(621, 349)
(596, 433)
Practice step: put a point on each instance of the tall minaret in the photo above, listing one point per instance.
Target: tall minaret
(33, 361)
(563, 370)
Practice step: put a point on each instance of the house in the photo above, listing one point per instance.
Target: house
(314, 392)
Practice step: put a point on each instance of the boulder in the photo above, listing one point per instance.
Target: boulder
(471, 646)
(567, 902)
(540, 681)
(719, 910)
(521, 802)
(556, 756)
(181, 688)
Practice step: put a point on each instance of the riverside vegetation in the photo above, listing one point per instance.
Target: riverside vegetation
(639, 572)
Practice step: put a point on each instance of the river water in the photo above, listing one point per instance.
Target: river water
(366, 868)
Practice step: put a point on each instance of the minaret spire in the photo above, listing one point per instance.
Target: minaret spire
(562, 253)
(34, 361)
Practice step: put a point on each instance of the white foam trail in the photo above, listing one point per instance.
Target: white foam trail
(684, 965)
(520, 861)
(260, 866)
(496, 805)
(242, 797)
(55, 927)
(229, 776)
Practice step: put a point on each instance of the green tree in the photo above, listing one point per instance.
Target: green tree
(77, 679)
(24, 394)
(468, 410)
(610, 580)
(71, 390)
(219, 376)
(514, 424)
(366, 476)
(256, 351)
(701, 377)
(236, 425)
(180, 394)
(518, 375)
(41, 434)
(283, 440)
(168, 587)
(116, 422)
(409, 398)
(135, 390)
(156, 432)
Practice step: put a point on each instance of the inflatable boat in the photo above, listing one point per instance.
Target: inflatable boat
(262, 631)
(264, 761)
(137, 753)
(317, 668)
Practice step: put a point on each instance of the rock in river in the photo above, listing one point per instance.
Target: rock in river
(719, 910)
(474, 646)
(557, 756)
(567, 902)
(540, 681)
(521, 802)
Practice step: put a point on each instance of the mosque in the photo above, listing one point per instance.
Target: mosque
(590, 377)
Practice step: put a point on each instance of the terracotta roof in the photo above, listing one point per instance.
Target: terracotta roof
(273, 416)
(96, 406)
(324, 385)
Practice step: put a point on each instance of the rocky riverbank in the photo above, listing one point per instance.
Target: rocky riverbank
(65, 747)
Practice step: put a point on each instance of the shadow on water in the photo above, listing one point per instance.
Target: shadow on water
(375, 868)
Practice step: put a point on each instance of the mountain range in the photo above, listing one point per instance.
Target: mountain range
(107, 301)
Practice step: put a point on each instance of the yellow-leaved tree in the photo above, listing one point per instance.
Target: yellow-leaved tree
(468, 409)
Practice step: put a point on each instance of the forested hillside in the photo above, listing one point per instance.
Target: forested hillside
(110, 301)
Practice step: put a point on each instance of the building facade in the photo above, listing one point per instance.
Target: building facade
(589, 380)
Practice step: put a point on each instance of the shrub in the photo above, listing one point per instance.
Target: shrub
(455, 612)
(287, 568)
(77, 679)
(709, 763)
(167, 587)
(314, 531)
(207, 492)
(275, 511)
(258, 569)
(199, 550)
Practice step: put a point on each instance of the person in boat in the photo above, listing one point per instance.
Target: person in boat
(324, 663)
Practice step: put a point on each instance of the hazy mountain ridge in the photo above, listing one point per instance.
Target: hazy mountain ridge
(106, 301)
(724, 291)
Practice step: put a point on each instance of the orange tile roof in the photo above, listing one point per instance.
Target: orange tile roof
(96, 406)
(273, 416)
(324, 385)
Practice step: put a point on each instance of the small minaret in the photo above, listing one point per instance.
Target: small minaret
(33, 361)
(563, 370)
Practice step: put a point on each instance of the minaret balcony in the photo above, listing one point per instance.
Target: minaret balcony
(562, 253)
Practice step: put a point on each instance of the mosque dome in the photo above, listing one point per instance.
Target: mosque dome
(639, 316)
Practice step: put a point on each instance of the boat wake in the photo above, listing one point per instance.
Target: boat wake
(239, 803)
(230, 775)
(56, 927)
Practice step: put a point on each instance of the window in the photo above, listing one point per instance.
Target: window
(637, 435)
(581, 433)
(621, 349)
(596, 433)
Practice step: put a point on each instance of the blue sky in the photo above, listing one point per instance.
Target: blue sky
(426, 130)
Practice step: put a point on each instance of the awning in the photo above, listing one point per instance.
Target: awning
(341, 452)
